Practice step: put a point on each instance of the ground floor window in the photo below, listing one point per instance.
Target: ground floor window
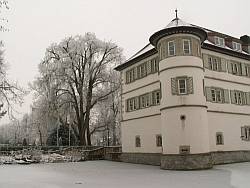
(219, 138)
(245, 133)
(158, 140)
(137, 141)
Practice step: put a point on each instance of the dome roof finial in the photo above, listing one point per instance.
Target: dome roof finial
(176, 13)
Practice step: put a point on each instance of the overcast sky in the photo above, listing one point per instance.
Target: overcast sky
(35, 24)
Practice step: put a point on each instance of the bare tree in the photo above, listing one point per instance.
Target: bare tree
(10, 93)
(3, 6)
(79, 68)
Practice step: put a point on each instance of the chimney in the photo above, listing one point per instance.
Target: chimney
(245, 43)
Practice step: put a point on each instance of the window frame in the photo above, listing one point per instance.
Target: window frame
(137, 141)
(185, 86)
(158, 140)
(237, 46)
(189, 46)
(174, 50)
(219, 41)
(219, 138)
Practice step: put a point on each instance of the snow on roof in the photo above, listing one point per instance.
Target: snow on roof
(177, 22)
(142, 51)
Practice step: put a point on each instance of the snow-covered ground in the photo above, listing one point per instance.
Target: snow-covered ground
(106, 174)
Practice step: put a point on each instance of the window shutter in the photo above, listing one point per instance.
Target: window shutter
(223, 64)
(205, 61)
(239, 69)
(153, 94)
(248, 98)
(126, 105)
(149, 68)
(178, 47)
(174, 86)
(243, 133)
(208, 94)
(135, 71)
(164, 50)
(243, 69)
(137, 106)
(127, 77)
(190, 87)
(232, 96)
(226, 96)
(150, 99)
(230, 67)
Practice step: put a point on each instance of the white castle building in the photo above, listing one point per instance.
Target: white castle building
(186, 99)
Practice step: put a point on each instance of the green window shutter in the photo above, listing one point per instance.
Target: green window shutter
(230, 67)
(153, 94)
(137, 106)
(164, 50)
(190, 87)
(232, 96)
(150, 99)
(135, 72)
(178, 46)
(127, 105)
(205, 61)
(226, 96)
(223, 65)
(243, 69)
(243, 133)
(149, 68)
(127, 77)
(208, 94)
(174, 86)
(247, 98)
(239, 69)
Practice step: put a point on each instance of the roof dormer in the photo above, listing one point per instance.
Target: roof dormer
(236, 46)
(219, 41)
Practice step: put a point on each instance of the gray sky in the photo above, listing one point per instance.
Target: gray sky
(35, 24)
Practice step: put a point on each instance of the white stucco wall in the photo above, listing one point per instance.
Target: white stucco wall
(229, 125)
(147, 129)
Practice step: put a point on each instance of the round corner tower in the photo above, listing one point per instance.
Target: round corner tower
(184, 124)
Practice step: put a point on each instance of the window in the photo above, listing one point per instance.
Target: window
(132, 104)
(144, 101)
(147, 99)
(130, 75)
(186, 46)
(142, 70)
(219, 41)
(171, 48)
(182, 86)
(156, 97)
(213, 95)
(236, 46)
(154, 65)
(137, 141)
(215, 63)
(245, 133)
(158, 140)
(240, 97)
(235, 68)
(218, 95)
(219, 138)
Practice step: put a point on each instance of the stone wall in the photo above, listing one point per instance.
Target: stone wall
(142, 158)
(185, 162)
(225, 157)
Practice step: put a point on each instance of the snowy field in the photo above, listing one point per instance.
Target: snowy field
(106, 174)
